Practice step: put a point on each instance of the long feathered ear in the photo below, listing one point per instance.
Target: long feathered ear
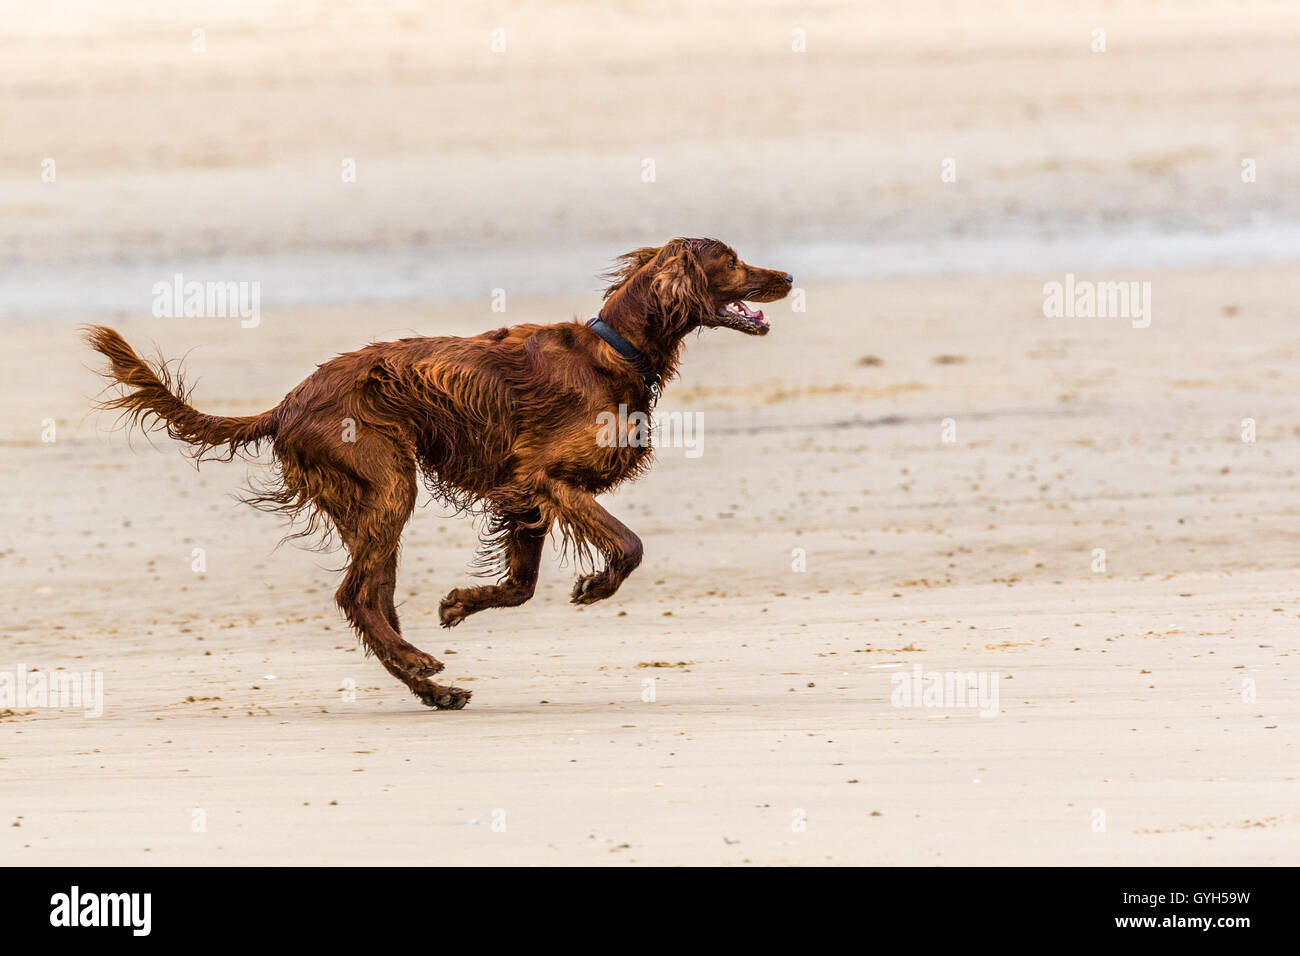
(681, 286)
(629, 265)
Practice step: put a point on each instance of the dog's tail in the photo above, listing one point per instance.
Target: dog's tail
(155, 392)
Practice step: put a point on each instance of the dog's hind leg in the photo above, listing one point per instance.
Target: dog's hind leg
(522, 540)
(371, 529)
(387, 591)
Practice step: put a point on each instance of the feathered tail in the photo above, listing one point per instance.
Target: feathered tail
(154, 392)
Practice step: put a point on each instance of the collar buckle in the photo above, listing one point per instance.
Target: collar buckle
(628, 351)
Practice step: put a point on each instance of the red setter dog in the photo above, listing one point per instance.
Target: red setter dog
(504, 424)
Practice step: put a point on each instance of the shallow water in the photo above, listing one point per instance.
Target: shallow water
(79, 290)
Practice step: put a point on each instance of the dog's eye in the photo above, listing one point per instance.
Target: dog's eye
(735, 264)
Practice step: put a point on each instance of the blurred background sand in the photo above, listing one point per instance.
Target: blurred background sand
(1123, 691)
(523, 169)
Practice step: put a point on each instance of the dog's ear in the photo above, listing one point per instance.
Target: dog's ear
(629, 265)
(682, 286)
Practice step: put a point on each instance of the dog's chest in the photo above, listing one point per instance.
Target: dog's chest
(623, 441)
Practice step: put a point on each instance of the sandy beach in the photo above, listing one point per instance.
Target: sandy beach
(919, 472)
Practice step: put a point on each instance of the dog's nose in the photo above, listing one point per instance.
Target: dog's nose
(789, 278)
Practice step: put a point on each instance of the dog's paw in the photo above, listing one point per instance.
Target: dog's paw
(442, 697)
(591, 588)
(451, 611)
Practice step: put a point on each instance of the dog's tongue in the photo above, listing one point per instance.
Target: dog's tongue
(746, 311)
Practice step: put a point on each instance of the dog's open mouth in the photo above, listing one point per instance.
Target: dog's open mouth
(737, 315)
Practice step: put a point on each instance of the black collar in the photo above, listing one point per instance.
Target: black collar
(629, 351)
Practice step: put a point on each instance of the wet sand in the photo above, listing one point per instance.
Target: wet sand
(1120, 691)
(920, 470)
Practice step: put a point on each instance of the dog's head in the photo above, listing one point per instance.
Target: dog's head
(701, 282)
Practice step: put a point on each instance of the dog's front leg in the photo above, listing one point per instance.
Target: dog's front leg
(586, 520)
(522, 539)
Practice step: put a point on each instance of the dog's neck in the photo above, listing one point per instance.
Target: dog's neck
(636, 317)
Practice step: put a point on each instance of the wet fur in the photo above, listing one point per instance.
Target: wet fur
(502, 424)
